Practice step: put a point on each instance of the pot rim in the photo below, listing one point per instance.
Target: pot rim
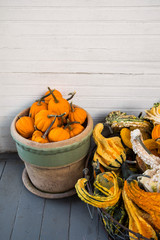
(35, 145)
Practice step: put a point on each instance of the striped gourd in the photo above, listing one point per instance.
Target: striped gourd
(109, 195)
(110, 152)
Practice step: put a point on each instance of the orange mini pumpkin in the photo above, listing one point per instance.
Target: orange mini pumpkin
(38, 137)
(156, 132)
(74, 129)
(44, 118)
(37, 107)
(25, 126)
(77, 114)
(58, 134)
(59, 105)
(57, 94)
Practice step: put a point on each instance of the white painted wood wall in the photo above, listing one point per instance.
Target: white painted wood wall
(106, 50)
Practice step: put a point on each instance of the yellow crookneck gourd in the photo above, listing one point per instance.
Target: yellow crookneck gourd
(106, 190)
(110, 152)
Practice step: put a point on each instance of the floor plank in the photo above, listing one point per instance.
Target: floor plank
(2, 166)
(25, 216)
(102, 234)
(56, 219)
(82, 227)
(29, 217)
(10, 190)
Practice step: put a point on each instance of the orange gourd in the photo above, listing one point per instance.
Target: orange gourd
(77, 114)
(156, 132)
(48, 96)
(37, 107)
(25, 126)
(44, 118)
(38, 137)
(74, 128)
(59, 105)
(58, 134)
(148, 201)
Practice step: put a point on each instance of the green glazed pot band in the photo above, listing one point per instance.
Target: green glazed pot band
(47, 151)
(57, 156)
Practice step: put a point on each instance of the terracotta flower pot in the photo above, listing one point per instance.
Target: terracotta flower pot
(54, 167)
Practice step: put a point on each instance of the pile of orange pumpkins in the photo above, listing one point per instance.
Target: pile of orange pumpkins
(51, 119)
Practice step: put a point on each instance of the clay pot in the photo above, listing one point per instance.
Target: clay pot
(54, 167)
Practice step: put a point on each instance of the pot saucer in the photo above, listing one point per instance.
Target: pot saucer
(28, 184)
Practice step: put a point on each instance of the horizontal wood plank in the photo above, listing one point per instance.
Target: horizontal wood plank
(78, 28)
(78, 13)
(91, 3)
(112, 53)
(82, 93)
(80, 67)
(61, 81)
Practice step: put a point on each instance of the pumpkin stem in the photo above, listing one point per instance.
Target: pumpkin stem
(72, 108)
(51, 92)
(72, 95)
(39, 101)
(52, 115)
(43, 97)
(47, 95)
(48, 129)
(62, 120)
(70, 123)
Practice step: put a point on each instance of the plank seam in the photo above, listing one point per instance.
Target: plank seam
(69, 222)
(16, 213)
(3, 170)
(42, 219)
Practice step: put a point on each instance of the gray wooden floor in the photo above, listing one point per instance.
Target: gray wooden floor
(24, 216)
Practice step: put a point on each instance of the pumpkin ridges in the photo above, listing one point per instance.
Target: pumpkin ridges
(77, 114)
(37, 136)
(25, 126)
(60, 107)
(75, 129)
(42, 121)
(58, 134)
(56, 93)
(35, 108)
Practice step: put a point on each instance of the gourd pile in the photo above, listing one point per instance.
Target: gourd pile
(126, 174)
(51, 119)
